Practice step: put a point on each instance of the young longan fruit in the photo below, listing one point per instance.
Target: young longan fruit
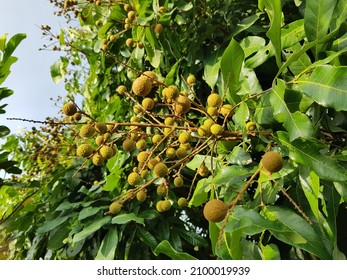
(106, 152)
(134, 178)
(178, 182)
(84, 150)
(272, 162)
(216, 129)
(128, 145)
(69, 109)
(182, 105)
(141, 144)
(141, 196)
(115, 208)
(87, 130)
(142, 86)
(215, 210)
(160, 170)
(214, 100)
(191, 80)
(158, 28)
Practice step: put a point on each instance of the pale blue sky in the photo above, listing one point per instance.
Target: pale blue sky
(30, 76)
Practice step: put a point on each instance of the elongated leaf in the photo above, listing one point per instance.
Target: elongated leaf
(165, 247)
(147, 238)
(339, 15)
(12, 44)
(307, 153)
(231, 64)
(327, 85)
(245, 24)
(90, 229)
(126, 218)
(211, 70)
(318, 15)
(108, 245)
(274, 10)
(297, 124)
(292, 229)
(87, 212)
(49, 225)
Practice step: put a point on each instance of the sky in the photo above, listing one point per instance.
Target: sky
(30, 77)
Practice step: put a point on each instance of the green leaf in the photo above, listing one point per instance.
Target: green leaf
(274, 10)
(271, 252)
(231, 64)
(49, 225)
(127, 218)
(12, 44)
(297, 124)
(327, 85)
(165, 248)
(108, 245)
(340, 14)
(147, 238)
(241, 115)
(318, 14)
(192, 237)
(58, 69)
(245, 24)
(200, 193)
(4, 130)
(87, 212)
(90, 229)
(292, 229)
(231, 175)
(307, 153)
(211, 70)
(239, 156)
(5, 92)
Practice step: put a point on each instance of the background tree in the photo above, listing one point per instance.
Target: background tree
(207, 129)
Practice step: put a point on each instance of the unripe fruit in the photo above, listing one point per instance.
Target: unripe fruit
(251, 126)
(122, 89)
(215, 210)
(137, 109)
(156, 138)
(128, 145)
(186, 146)
(161, 170)
(135, 119)
(212, 111)
(165, 205)
(208, 123)
(77, 116)
(142, 86)
(226, 110)
(182, 105)
(128, 7)
(158, 28)
(161, 190)
(204, 131)
(141, 144)
(182, 202)
(87, 130)
(151, 75)
(129, 42)
(134, 178)
(127, 26)
(148, 103)
(162, 9)
(140, 44)
(115, 208)
(141, 196)
(167, 130)
(181, 152)
(158, 206)
(152, 163)
(98, 160)
(169, 121)
(272, 162)
(101, 128)
(142, 156)
(203, 170)
(107, 136)
(214, 100)
(106, 152)
(170, 93)
(171, 153)
(131, 15)
(191, 80)
(84, 150)
(99, 140)
(178, 182)
(184, 137)
(69, 109)
(216, 129)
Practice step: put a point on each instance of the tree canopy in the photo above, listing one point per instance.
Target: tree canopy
(201, 129)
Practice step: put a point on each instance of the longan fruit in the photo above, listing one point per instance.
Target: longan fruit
(178, 182)
(184, 137)
(216, 129)
(148, 103)
(158, 28)
(182, 202)
(134, 178)
(272, 162)
(226, 110)
(251, 126)
(142, 86)
(84, 150)
(115, 208)
(182, 105)
(97, 159)
(128, 145)
(191, 80)
(142, 156)
(141, 196)
(161, 170)
(214, 100)
(87, 130)
(215, 210)
(69, 109)
(141, 144)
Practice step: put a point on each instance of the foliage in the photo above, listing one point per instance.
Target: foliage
(279, 71)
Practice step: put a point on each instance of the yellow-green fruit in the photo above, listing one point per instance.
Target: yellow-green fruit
(204, 131)
(212, 111)
(165, 205)
(158, 28)
(186, 146)
(151, 75)
(115, 208)
(214, 100)
(69, 109)
(216, 129)
(98, 160)
(158, 206)
(142, 86)
(181, 152)
(162, 9)
(122, 89)
(106, 152)
(152, 163)
(148, 103)
(144, 173)
(156, 138)
(141, 144)
(182, 202)
(160, 170)
(129, 42)
(184, 137)
(77, 116)
(107, 136)
(141, 196)
(170, 153)
(135, 119)
(87, 130)
(131, 15)
(137, 109)
(167, 130)
(161, 190)
(208, 123)
(272, 162)
(99, 140)
(127, 26)
(215, 210)
(191, 80)
(128, 7)
(170, 93)
(128, 145)
(84, 150)
(203, 170)
(142, 156)
(169, 121)
(182, 105)
(101, 128)
(226, 110)
(178, 182)
(251, 126)
(134, 178)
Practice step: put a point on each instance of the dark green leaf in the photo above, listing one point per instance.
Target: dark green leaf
(165, 248)
(108, 245)
(127, 218)
(90, 229)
